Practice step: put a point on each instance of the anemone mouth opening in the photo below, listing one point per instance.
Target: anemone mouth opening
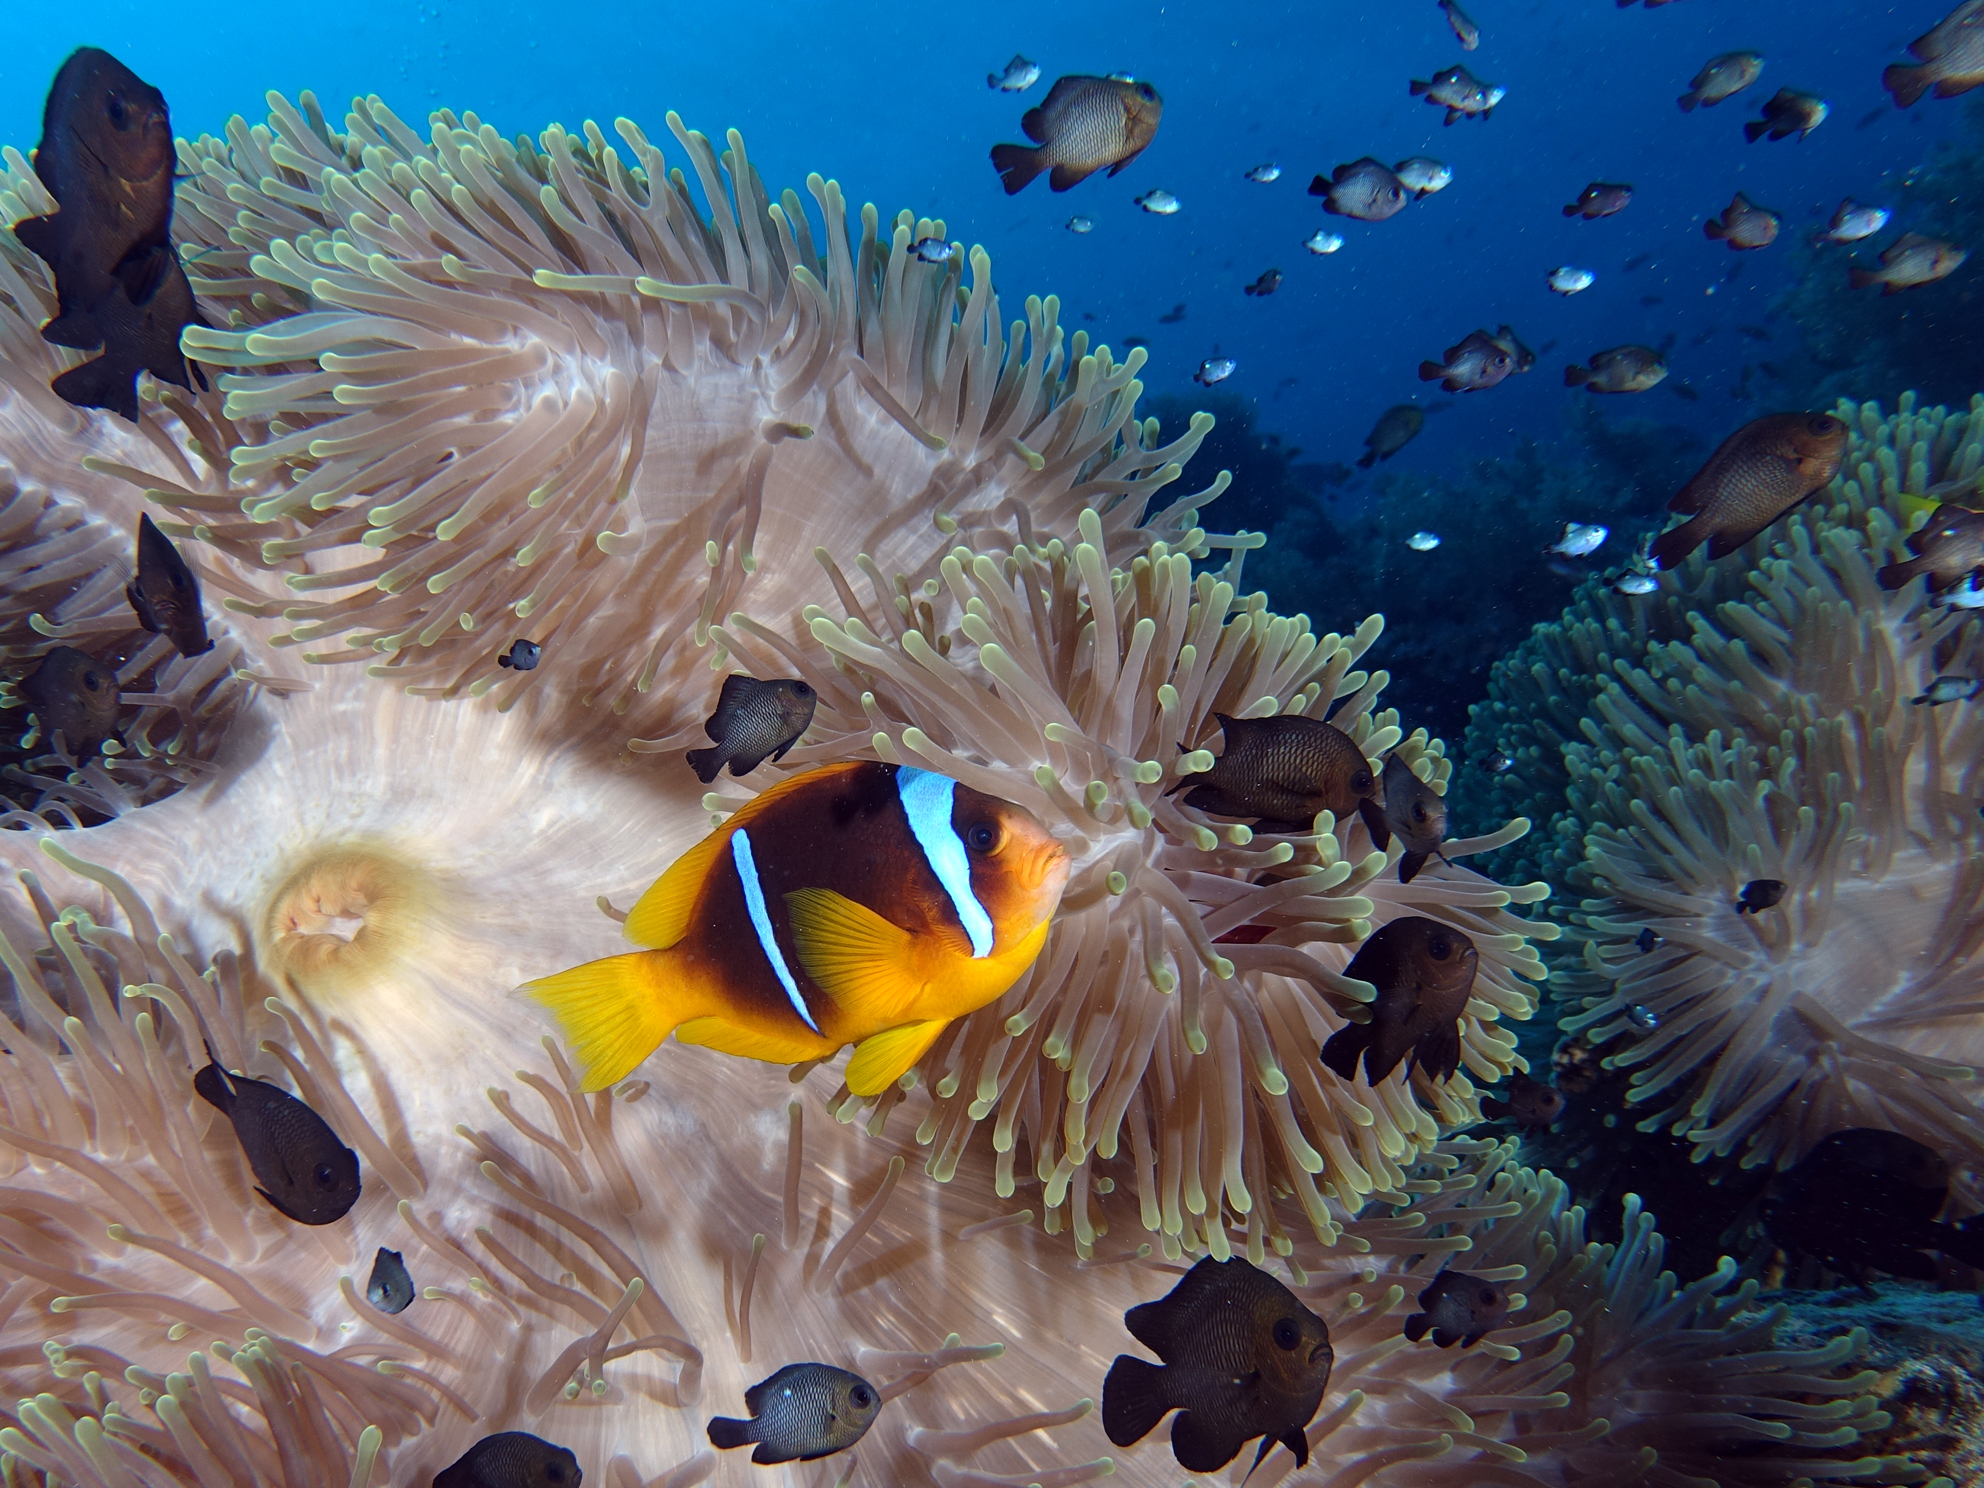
(345, 916)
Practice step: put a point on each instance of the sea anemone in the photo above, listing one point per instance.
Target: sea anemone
(475, 386)
(1086, 692)
(1778, 740)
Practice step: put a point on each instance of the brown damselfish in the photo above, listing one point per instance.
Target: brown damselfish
(1424, 973)
(1458, 1308)
(1416, 813)
(1757, 475)
(1948, 549)
(1083, 124)
(862, 903)
(1283, 770)
(107, 157)
(1242, 1358)
(74, 692)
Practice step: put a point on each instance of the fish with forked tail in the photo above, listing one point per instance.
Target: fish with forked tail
(1948, 548)
(107, 157)
(1908, 261)
(1083, 124)
(1950, 58)
(1754, 477)
(754, 721)
(1621, 369)
(1242, 1358)
(1424, 973)
(1743, 224)
(1459, 92)
(1282, 771)
(1600, 199)
(861, 903)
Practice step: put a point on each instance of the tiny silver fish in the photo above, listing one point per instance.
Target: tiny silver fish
(1320, 242)
(1081, 224)
(1949, 689)
(1580, 539)
(1159, 202)
(1265, 173)
(1214, 369)
(1642, 1017)
(932, 250)
(1423, 542)
(1636, 583)
(1569, 281)
(1852, 222)
(1019, 75)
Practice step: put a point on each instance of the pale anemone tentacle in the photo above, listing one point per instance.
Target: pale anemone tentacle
(480, 387)
(1778, 739)
(1187, 1067)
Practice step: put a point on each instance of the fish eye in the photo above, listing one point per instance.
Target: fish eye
(119, 115)
(323, 1176)
(860, 1396)
(554, 1472)
(92, 680)
(802, 689)
(1146, 92)
(1438, 947)
(1825, 423)
(1487, 1296)
(983, 836)
(1286, 1335)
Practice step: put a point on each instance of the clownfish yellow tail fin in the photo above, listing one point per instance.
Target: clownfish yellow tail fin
(611, 1013)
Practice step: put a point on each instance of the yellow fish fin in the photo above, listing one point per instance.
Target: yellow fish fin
(867, 965)
(884, 1058)
(660, 917)
(726, 1037)
(611, 1013)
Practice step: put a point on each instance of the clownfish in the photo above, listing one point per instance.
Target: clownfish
(863, 903)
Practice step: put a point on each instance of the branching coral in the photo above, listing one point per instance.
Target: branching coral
(1084, 692)
(488, 386)
(1778, 740)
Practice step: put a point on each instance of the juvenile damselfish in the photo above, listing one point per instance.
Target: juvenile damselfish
(1619, 369)
(1530, 1103)
(1424, 973)
(1417, 813)
(754, 721)
(1760, 894)
(389, 1288)
(1948, 548)
(1242, 1358)
(1786, 113)
(1720, 78)
(862, 903)
(1458, 1308)
(74, 692)
(802, 1412)
(1283, 770)
(1459, 92)
(1083, 124)
(1600, 199)
(512, 1459)
(1756, 475)
(107, 157)
(165, 594)
(301, 1166)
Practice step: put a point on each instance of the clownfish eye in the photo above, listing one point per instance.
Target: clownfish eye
(1286, 1334)
(983, 836)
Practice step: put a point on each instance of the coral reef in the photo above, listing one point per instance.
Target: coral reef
(1753, 720)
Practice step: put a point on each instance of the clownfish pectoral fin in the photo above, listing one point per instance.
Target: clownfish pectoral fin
(867, 965)
(610, 1013)
(884, 1058)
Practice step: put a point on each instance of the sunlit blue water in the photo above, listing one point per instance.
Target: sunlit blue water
(891, 99)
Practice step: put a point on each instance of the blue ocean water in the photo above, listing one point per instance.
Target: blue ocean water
(891, 100)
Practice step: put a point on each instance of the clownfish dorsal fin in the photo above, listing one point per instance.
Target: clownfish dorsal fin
(867, 965)
(660, 917)
(884, 1058)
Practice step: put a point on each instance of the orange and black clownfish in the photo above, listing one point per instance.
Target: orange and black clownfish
(863, 903)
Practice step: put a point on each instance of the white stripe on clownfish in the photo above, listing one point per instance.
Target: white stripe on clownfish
(761, 920)
(926, 800)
